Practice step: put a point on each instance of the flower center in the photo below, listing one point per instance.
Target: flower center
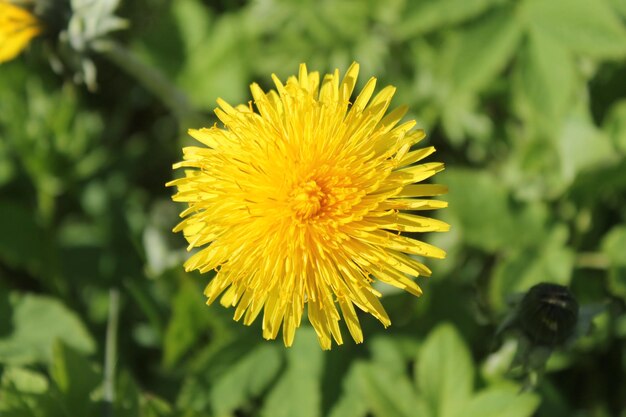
(306, 200)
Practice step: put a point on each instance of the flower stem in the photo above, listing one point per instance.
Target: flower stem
(152, 79)
(110, 352)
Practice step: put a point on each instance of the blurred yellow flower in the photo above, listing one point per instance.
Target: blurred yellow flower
(17, 28)
(305, 202)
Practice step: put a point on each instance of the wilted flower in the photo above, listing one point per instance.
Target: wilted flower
(17, 27)
(305, 202)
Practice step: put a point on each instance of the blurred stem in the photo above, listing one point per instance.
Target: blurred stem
(110, 352)
(153, 80)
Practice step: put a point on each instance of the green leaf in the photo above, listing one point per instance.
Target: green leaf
(384, 392)
(467, 63)
(153, 406)
(194, 21)
(550, 260)
(214, 65)
(350, 403)
(298, 389)
(620, 6)
(246, 380)
(478, 202)
(544, 81)
(544, 165)
(461, 118)
(75, 378)
(480, 206)
(602, 184)
(484, 49)
(213, 360)
(386, 353)
(500, 401)
(27, 393)
(204, 55)
(349, 406)
(131, 402)
(187, 324)
(530, 168)
(24, 380)
(127, 395)
(381, 386)
(425, 16)
(582, 146)
(497, 365)
(37, 323)
(444, 371)
(613, 244)
(588, 27)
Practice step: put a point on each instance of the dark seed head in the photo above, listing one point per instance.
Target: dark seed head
(548, 314)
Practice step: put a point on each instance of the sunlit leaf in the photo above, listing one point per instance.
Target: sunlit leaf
(187, 322)
(588, 27)
(246, 380)
(550, 261)
(386, 393)
(545, 80)
(425, 16)
(444, 371)
(487, 218)
(37, 322)
(582, 146)
(75, 377)
(500, 401)
(297, 392)
(485, 48)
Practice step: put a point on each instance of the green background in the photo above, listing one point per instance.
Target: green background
(525, 101)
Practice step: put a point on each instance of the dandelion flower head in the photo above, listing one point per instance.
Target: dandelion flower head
(17, 27)
(303, 202)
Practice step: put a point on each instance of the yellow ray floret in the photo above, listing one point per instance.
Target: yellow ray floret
(304, 203)
(17, 28)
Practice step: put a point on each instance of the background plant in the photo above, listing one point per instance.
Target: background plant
(525, 102)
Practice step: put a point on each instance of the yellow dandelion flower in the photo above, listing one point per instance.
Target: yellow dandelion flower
(305, 203)
(17, 28)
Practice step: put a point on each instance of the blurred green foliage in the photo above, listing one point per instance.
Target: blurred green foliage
(525, 102)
